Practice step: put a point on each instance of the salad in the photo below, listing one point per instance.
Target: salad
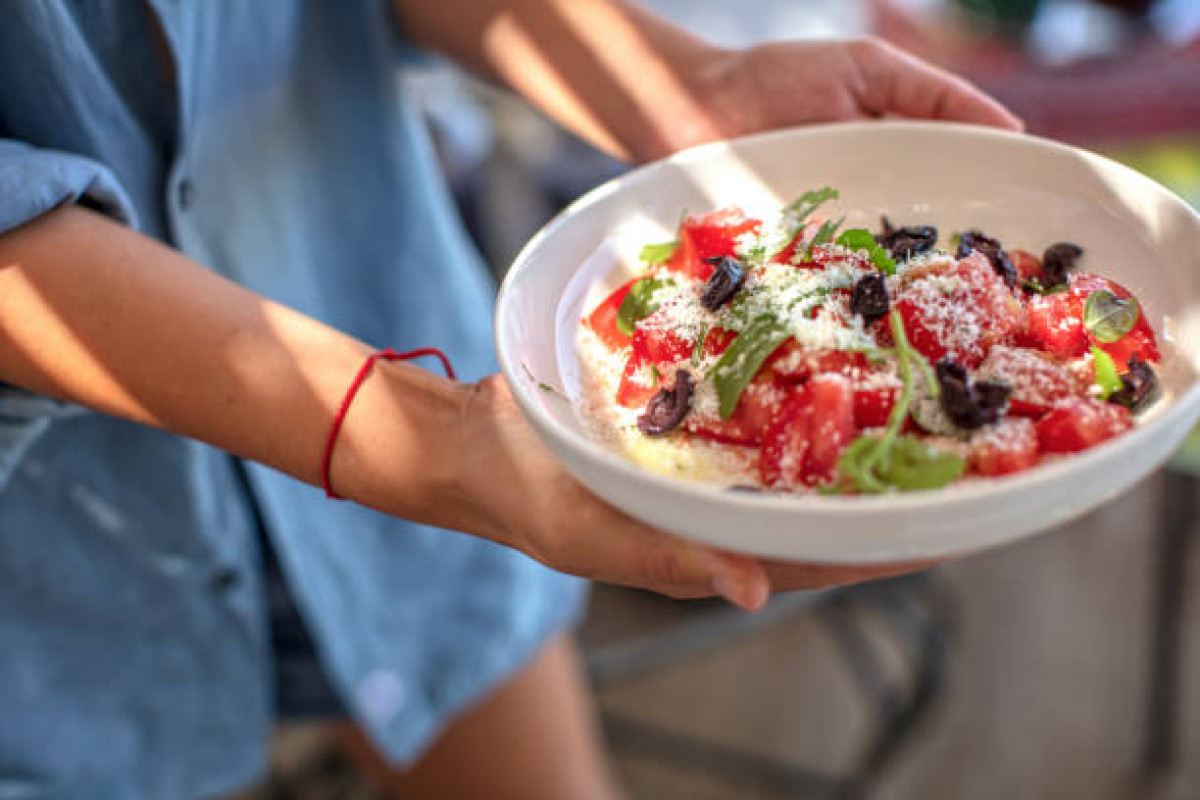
(799, 355)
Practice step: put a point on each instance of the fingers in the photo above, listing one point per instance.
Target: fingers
(787, 576)
(608, 546)
(894, 82)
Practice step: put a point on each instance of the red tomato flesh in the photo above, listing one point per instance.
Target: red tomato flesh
(1077, 424)
(603, 319)
(802, 444)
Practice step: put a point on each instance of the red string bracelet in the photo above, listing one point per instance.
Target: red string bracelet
(359, 379)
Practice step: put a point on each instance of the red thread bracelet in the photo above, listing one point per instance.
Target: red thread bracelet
(359, 379)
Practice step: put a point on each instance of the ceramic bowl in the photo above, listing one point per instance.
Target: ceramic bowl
(1026, 191)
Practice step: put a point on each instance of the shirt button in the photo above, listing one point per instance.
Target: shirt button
(224, 579)
(184, 194)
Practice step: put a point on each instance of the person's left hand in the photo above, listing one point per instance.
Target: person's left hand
(782, 84)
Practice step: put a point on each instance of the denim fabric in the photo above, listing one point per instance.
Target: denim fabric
(133, 616)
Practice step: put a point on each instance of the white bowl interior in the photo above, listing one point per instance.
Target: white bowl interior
(1025, 191)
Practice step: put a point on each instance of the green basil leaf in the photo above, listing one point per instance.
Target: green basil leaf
(743, 358)
(659, 253)
(1108, 317)
(863, 239)
(912, 465)
(1107, 377)
(639, 303)
(804, 205)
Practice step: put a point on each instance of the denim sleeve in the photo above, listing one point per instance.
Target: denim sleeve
(32, 182)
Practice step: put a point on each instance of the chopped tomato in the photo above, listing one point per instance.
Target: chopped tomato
(708, 236)
(1038, 380)
(873, 406)
(1077, 424)
(795, 362)
(1026, 264)
(802, 444)
(717, 341)
(756, 407)
(657, 345)
(1054, 322)
(603, 319)
(1007, 447)
(637, 384)
(960, 310)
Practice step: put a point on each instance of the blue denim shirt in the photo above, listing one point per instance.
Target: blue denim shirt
(133, 629)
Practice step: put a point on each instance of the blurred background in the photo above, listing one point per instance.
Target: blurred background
(1064, 667)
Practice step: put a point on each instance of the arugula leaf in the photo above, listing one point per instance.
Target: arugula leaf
(639, 303)
(875, 464)
(742, 359)
(799, 209)
(1107, 377)
(824, 234)
(863, 239)
(1108, 317)
(659, 253)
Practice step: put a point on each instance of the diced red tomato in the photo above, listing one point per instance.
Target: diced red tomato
(657, 345)
(1026, 264)
(960, 310)
(1007, 447)
(636, 386)
(873, 405)
(802, 444)
(1077, 424)
(708, 236)
(717, 341)
(1038, 379)
(756, 407)
(795, 362)
(603, 319)
(1054, 323)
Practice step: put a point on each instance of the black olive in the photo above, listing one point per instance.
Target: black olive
(1138, 386)
(908, 241)
(869, 297)
(970, 404)
(727, 278)
(666, 410)
(1001, 263)
(1058, 261)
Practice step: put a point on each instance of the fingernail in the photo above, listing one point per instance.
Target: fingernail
(732, 590)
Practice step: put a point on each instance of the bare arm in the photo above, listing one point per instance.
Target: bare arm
(639, 87)
(95, 313)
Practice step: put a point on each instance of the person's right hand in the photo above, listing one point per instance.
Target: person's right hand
(521, 497)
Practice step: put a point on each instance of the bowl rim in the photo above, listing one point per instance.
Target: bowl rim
(989, 489)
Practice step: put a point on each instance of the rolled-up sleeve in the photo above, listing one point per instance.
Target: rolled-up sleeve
(34, 181)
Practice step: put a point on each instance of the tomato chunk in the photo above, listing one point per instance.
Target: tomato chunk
(960, 310)
(603, 319)
(802, 444)
(717, 341)
(1007, 447)
(873, 405)
(1038, 379)
(795, 362)
(637, 383)
(708, 236)
(1077, 424)
(1054, 323)
(756, 407)
(657, 345)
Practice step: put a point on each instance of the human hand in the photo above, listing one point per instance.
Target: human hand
(518, 495)
(782, 84)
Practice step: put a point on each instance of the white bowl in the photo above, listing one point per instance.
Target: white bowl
(1026, 191)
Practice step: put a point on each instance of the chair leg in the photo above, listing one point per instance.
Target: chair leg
(1177, 520)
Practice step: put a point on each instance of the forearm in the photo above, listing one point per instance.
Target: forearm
(97, 314)
(616, 74)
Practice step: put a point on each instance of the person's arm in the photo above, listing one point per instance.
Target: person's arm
(95, 313)
(641, 88)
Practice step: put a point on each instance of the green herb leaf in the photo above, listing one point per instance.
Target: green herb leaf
(863, 239)
(743, 358)
(804, 205)
(639, 303)
(655, 375)
(698, 346)
(1107, 377)
(912, 465)
(1108, 317)
(824, 234)
(659, 253)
